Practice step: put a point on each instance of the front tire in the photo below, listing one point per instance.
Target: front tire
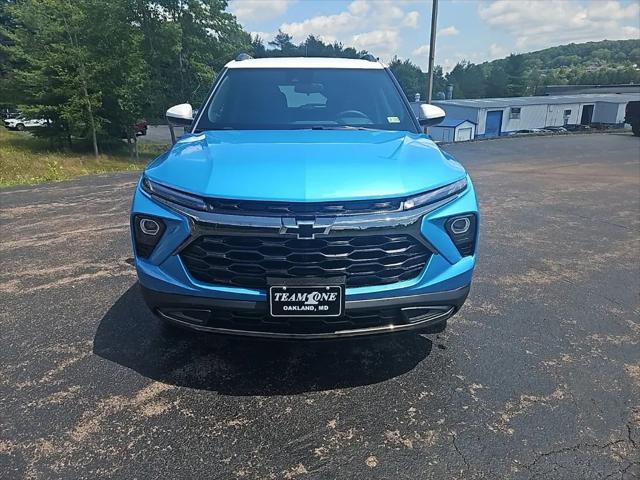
(635, 128)
(20, 127)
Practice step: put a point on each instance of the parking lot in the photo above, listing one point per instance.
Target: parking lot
(538, 376)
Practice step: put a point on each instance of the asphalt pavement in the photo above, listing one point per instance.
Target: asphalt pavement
(538, 376)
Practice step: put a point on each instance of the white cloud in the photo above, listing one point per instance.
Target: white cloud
(448, 31)
(421, 51)
(452, 60)
(377, 40)
(376, 26)
(497, 51)
(538, 25)
(631, 32)
(411, 19)
(390, 10)
(258, 10)
(612, 9)
(359, 7)
(321, 25)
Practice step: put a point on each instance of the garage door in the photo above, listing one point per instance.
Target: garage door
(463, 134)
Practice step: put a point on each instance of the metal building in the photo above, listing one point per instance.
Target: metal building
(500, 116)
(582, 89)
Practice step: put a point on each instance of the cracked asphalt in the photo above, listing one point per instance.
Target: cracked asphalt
(538, 376)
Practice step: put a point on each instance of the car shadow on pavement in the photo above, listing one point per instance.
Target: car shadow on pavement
(131, 336)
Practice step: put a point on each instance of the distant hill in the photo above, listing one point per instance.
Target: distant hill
(605, 62)
(590, 55)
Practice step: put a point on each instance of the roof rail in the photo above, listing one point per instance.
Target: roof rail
(369, 58)
(243, 56)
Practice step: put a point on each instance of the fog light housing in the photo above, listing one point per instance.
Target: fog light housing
(460, 225)
(148, 226)
(148, 231)
(462, 230)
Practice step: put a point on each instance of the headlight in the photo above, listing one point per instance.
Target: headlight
(175, 196)
(435, 195)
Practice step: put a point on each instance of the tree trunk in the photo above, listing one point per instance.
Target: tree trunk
(130, 145)
(85, 92)
(69, 141)
(92, 123)
(135, 143)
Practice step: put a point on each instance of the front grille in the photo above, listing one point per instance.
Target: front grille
(248, 261)
(281, 209)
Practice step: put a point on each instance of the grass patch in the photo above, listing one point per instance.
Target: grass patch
(27, 160)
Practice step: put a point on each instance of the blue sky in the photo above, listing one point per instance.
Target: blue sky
(475, 30)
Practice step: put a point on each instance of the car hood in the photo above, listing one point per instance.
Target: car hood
(304, 165)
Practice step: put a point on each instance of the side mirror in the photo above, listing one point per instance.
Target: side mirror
(180, 114)
(430, 115)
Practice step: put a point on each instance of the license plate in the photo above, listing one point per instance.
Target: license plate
(306, 301)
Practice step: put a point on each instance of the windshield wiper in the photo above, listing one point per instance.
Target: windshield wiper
(339, 127)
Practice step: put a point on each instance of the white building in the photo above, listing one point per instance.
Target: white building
(453, 130)
(499, 116)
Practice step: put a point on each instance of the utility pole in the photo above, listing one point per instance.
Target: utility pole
(432, 47)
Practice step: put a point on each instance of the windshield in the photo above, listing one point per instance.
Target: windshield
(298, 98)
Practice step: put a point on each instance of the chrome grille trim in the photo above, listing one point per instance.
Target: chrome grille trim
(203, 223)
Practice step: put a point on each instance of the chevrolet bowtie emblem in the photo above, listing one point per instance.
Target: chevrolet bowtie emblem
(306, 229)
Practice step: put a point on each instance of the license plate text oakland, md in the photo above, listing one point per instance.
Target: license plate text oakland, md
(306, 301)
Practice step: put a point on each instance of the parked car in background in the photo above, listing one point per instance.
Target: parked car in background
(141, 128)
(528, 131)
(578, 128)
(21, 123)
(556, 129)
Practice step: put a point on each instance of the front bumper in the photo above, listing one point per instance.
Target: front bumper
(431, 297)
(411, 313)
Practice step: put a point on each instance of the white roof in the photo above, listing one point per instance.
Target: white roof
(539, 100)
(305, 62)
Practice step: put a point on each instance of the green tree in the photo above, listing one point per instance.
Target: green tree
(439, 81)
(603, 54)
(185, 42)
(283, 45)
(497, 82)
(473, 81)
(7, 26)
(410, 77)
(468, 80)
(65, 62)
(257, 47)
(515, 69)
(94, 67)
(413, 80)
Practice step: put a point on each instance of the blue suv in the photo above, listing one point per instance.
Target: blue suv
(305, 202)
